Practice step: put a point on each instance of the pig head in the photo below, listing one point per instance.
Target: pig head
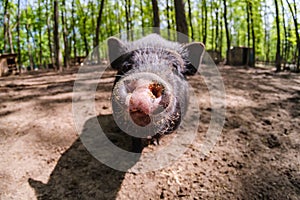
(150, 94)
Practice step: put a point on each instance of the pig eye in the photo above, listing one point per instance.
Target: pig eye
(177, 67)
(126, 67)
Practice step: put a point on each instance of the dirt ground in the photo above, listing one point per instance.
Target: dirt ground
(256, 157)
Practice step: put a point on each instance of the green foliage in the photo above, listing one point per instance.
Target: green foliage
(113, 21)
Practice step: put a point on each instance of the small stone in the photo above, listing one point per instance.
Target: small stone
(267, 122)
(273, 141)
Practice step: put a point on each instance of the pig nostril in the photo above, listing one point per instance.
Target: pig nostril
(156, 89)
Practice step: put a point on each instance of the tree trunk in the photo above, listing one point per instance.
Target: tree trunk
(212, 24)
(96, 42)
(127, 18)
(5, 34)
(190, 19)
(227, 33)
(253, 35)
(74, 31)
(28, 44)
(99, 17)
(278, 57)
(93, 22)
(86, 45)
(40, 34)
(173, 20)
(18, 38)
(118, 17)
(181, 24)
(204, 21)
(284, 46)
(168, 19)
(49, 33)
(217, 28)
(110, 21)
(56, 35)
(248, 24)
(221, 35)
(294, 15)
(65, 35)
(130, 14)
(267, 34)
(11, 46)
(84, 30)
(155, 17)
(142, 16)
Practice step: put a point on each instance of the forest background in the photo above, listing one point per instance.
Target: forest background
(52, 32)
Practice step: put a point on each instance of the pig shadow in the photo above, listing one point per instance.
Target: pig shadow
(78, 175)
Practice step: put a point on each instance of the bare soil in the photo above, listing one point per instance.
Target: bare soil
(256, 157)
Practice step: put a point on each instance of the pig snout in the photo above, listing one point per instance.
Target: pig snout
(144, 101)
(144, 96)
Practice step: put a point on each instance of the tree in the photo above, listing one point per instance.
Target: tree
(284, 46)
(181, 24)
(156, 23)
(40, 32)
(168, 18)
(278, 56)
(5, 24)
(48, 18)
(18, 38)
(190, 19)
(83, 27)
(248, 23)
(142, 16)
(7, 28)
(227, 32)
(266, 33)
(204, 21)
(65, 35)
(252, 33)
(56, 35)
(217, 27)
(294, 15)
(99, 17)
(27, 26)
(127, 13)
(96, 42)
(73, 30)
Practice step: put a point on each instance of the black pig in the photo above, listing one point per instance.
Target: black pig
(150, 94)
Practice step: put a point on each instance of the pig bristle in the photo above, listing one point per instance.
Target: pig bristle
(155, 41)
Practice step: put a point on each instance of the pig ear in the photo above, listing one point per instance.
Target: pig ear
(116, 49)
(195, 52)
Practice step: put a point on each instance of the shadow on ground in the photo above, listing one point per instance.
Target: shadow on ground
(78, 175)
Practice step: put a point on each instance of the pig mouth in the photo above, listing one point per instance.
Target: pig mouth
(140, 118)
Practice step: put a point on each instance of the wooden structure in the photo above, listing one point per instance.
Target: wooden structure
(77, 60)
(215, 55)
(8, 64)
(240, 56)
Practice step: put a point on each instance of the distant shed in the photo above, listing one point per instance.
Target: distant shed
(8, 64)
(241, 56)
(215, 55)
